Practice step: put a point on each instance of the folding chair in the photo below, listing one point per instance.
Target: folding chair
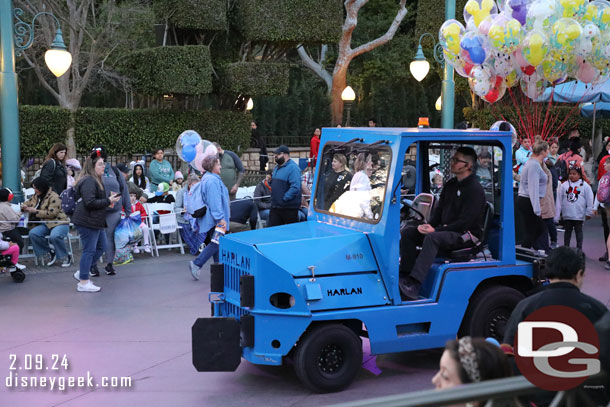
(167, 224)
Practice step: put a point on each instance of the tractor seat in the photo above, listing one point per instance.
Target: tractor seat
(468, 253)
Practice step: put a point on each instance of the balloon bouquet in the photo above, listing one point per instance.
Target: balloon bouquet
(529, 43)
(192, 149)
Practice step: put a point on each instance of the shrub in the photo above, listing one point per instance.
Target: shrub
(291, 21)
(124, 131)
(183, 69)
(209, 15)
(258, 79)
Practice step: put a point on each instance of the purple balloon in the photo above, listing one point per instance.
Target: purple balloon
(519, 8)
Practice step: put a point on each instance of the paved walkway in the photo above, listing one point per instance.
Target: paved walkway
(139, 327)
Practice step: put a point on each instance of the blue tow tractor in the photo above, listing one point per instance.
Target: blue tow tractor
(310, 291)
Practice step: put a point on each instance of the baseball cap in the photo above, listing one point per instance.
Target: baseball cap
(282, 149)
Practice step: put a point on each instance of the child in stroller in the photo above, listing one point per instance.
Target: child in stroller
(9, 255)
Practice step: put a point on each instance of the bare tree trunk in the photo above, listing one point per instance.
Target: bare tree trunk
(346, 54)
(336, 105)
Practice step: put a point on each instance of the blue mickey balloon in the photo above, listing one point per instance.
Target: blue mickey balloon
(188, 153)
(186, 145)
(473, 48)
(190, 138)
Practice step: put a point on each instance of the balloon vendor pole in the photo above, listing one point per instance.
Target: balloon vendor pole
(448, 87)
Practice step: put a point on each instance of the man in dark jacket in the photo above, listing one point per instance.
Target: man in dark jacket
(286, 189)
(565, 269)
(258, 141)
(461, 209)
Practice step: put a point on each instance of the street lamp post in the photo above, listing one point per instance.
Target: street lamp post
(419, 68)
(58, 60)
(348, 96)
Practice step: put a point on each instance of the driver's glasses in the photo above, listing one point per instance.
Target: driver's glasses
(457, 160)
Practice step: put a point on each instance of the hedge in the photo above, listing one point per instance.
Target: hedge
(258, 79)
(174, 69)
(209, 15)
(124, 131)
(292, 21)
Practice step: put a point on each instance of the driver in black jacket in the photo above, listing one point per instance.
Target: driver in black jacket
(461, 209)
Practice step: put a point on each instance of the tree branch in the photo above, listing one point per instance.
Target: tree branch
(40, 76)
(402, 12)
(315, 67)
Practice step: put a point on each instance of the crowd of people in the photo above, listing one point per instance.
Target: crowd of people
(101, 195)
(551, 179)
(559, 183)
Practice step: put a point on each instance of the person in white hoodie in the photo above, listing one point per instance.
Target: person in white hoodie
(574, 205)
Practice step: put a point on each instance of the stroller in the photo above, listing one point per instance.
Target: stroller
(6, 265)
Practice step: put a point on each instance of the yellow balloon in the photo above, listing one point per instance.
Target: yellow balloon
(452, 36)
(479, 12)
(536, 50)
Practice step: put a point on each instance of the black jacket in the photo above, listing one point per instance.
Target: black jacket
(55, 174)
(261, 191)
(91, 204)
(461, 207)
(560, 293)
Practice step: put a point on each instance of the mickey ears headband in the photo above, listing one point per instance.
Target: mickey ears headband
(97, 152)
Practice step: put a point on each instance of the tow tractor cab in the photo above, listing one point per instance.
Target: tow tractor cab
(310, 291)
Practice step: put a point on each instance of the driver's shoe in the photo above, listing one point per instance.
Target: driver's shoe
(409, 289)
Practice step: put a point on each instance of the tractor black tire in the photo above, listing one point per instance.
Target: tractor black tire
(18, 276)
(328, 358)
(489, 311)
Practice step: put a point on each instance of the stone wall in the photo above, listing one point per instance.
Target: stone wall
(251, 157)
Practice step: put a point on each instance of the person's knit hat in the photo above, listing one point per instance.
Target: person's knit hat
(6, 195)
(162, 188)
(133, 189)
(73, 163)
(178, 175)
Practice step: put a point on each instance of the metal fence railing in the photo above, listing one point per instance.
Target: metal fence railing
(498, 392)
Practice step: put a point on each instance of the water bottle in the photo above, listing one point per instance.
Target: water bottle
(218, 233)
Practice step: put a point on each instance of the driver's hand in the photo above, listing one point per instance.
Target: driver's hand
(425, 229)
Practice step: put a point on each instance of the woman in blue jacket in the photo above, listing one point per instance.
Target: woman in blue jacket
(216, 198)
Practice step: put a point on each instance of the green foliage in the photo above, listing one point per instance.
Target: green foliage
(41, 127)
(291, 21)
(125, 131)
(185, 69)
(291, 119)
(209, 15)
(258, 79)
(431, 15)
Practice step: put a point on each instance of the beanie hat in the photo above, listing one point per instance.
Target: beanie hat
(133, 189)
(73, 163)
(163, 188)
(5, 195)
(178, 175)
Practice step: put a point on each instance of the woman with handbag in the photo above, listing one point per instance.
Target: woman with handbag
(215, 222)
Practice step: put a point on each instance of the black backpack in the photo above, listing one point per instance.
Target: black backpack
(562, 170)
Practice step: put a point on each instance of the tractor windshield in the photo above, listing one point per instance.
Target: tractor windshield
(352, 180)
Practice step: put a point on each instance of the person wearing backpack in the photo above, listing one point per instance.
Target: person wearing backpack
(90, 217)
(53, 170)
(114, 183)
